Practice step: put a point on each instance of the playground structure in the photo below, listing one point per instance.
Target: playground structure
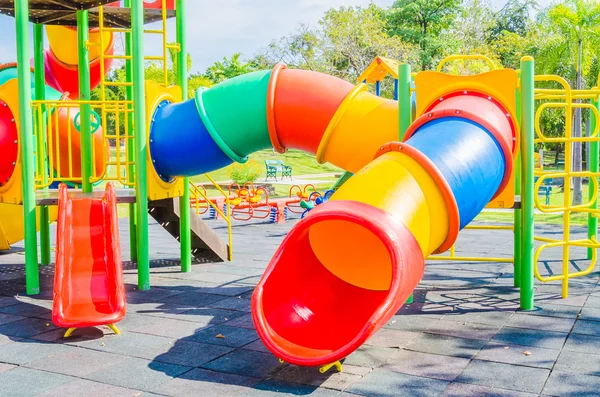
(448, 147)
(249, 202)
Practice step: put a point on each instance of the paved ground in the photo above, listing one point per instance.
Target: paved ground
(463, 336)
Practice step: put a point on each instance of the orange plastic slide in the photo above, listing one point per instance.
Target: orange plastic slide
(88, 285)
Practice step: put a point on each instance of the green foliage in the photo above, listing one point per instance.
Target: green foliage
(423, 23)
(512, 18)
(245, 173)
(228, 68)
(345, 43)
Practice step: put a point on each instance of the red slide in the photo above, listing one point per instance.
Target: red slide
(88, 285)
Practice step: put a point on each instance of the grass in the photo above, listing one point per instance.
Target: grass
(302, 164)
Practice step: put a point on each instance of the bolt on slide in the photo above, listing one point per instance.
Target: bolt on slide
(345, 269)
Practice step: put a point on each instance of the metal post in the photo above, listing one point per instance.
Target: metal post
(527, 164)
(84, 95)
(402, 93)
(378, 88)
(139, 97)
(130, 144)
(404, 98)
(40, 95)
(517, 212)
(185, 235)
(395, 89)
(593, 166)
(26, 147)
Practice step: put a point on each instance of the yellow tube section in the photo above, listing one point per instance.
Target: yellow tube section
(359, 127)
(11, 223)
(63, 42)
(398, 184)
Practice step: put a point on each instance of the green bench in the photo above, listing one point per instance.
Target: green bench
(277, 166)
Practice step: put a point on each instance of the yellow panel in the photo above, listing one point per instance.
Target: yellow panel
(11, 223)
(379, 69)
(157, 188)
(12, 191)
(506, 199)
(499, 84)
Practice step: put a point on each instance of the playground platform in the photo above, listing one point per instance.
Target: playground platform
(192, 334)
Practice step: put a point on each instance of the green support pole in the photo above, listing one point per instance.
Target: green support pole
(84, 95)
(518, 235)
(517, 213)
(527, 165)
(404, 112)
(40, 95)
(139, 98)
(593, 161)
(131, 144)
(185, 235)
(26, 146)
(343, 179)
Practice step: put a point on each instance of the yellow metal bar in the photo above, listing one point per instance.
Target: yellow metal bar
(469, 259)
(450, 58)
(486, 227)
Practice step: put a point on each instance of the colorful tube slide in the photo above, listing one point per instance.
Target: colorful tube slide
(344, 270)
(61, 73)
(88, 285)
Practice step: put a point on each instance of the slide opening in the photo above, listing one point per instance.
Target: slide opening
(345, 270)
(313, 298)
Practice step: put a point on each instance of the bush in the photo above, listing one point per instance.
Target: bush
(245, 173)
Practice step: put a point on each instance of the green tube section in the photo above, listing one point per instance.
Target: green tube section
(239, 105)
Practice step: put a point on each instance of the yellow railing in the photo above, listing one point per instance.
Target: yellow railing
(452, 58)
(198, 195)
(163, 58)
(57, 143)
(566, 99)
(452, 253)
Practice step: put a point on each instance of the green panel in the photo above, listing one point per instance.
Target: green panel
(237, 109)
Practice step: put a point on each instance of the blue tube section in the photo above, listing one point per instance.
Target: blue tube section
(178, 138)
(468, 157)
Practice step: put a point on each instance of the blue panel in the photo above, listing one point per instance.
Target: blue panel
(180, 145)
(468, 157)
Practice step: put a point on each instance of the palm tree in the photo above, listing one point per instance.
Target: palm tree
(577, 23)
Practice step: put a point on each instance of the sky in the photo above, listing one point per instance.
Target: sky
(232, 26)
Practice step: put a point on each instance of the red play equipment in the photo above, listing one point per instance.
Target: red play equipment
(249, 202)
(88, 285)
(8, 143)
(334, 317)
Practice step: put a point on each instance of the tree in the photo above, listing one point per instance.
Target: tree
(155, 71)
(422, 22)
(512, 18)
(576, 24)
(469, 34)
(354, 36)
(302, 49)
(346, 42)
(228, 68)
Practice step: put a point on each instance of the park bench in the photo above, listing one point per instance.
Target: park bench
(277, 166)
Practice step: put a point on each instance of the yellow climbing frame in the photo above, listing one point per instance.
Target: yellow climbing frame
(567, 100)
